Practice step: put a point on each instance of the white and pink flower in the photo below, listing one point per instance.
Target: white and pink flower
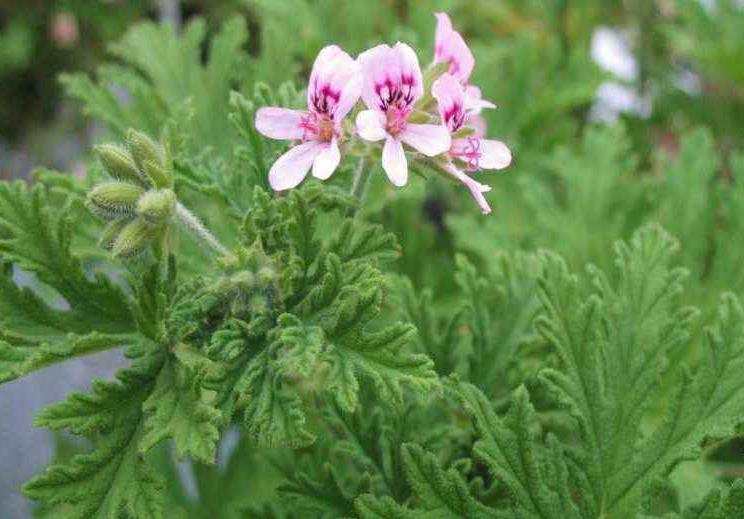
(450, 47)
(333, 90)
(472, 151)
(391, 86)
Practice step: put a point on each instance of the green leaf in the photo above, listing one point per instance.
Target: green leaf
(179, 408)
(36, 236)
(536, 476)
(163, 74)
(19, 358)
(114, 480)
(73, 312)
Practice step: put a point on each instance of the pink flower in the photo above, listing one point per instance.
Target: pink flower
(391, 86)
(333, 90)
(473, 151)
(450, 47)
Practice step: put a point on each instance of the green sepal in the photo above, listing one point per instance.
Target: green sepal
(419, 117)
(114, 199)
(133, 238)
(433, 73)
(465, 131)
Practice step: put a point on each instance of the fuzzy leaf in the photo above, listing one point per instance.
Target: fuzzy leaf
(180, 409)
(114, 480)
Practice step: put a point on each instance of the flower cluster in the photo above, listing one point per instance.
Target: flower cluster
(437, 118)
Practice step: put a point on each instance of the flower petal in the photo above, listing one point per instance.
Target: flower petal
(450, 97)
(280, 123)
(370, 125)
(394, 162)
(327, 161)
(477, 123)
(450, 47)
(476, 188)
(292, 167)
(474, 101)
(335, 83)
(494, 155)
(386, 69)
(429, 139)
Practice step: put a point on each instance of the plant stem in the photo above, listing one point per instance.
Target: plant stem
(194, 227)
(360, 180)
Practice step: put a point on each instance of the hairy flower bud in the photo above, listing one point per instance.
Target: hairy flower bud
(114, 199)
(159, 173)
(156, 206)
(119, 164)
(147, 157)
(133, 238)
(111, 232)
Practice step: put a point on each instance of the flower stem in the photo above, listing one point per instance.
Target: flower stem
(193, 226)
(360, 181)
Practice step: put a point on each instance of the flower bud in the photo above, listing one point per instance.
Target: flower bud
(244, 279)
(266, 276)
(114, 199)
(156, 206)
(111, 232)
(146, 155)
(133, 238)
(118, 163)
(159, 174)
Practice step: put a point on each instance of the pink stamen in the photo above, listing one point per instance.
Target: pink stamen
(397, 119)
(317, 127)
(470, 153)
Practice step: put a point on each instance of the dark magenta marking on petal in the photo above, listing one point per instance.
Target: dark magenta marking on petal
(398, 95)
(324, 99)
(454, 117)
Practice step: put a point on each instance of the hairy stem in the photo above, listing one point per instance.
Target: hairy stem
(193, 226)
(361, 180)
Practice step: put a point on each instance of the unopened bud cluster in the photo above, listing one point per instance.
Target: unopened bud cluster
(139, 201)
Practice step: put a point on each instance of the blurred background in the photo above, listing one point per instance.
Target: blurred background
(629, 89)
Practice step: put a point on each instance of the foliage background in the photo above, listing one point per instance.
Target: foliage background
(664, 146)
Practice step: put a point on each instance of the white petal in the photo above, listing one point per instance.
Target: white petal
(290, 169)
(371, 125)
(409, 67)
(450, 96)
(494, 155)
(429, 139)
(394, 162)
(451, 47)
(476, 188)
(384, 67)
(327, 161)
(279, 123)
(349, 96)
(474, 102)
(334, 73)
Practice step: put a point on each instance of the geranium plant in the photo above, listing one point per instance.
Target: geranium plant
(300, 345)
